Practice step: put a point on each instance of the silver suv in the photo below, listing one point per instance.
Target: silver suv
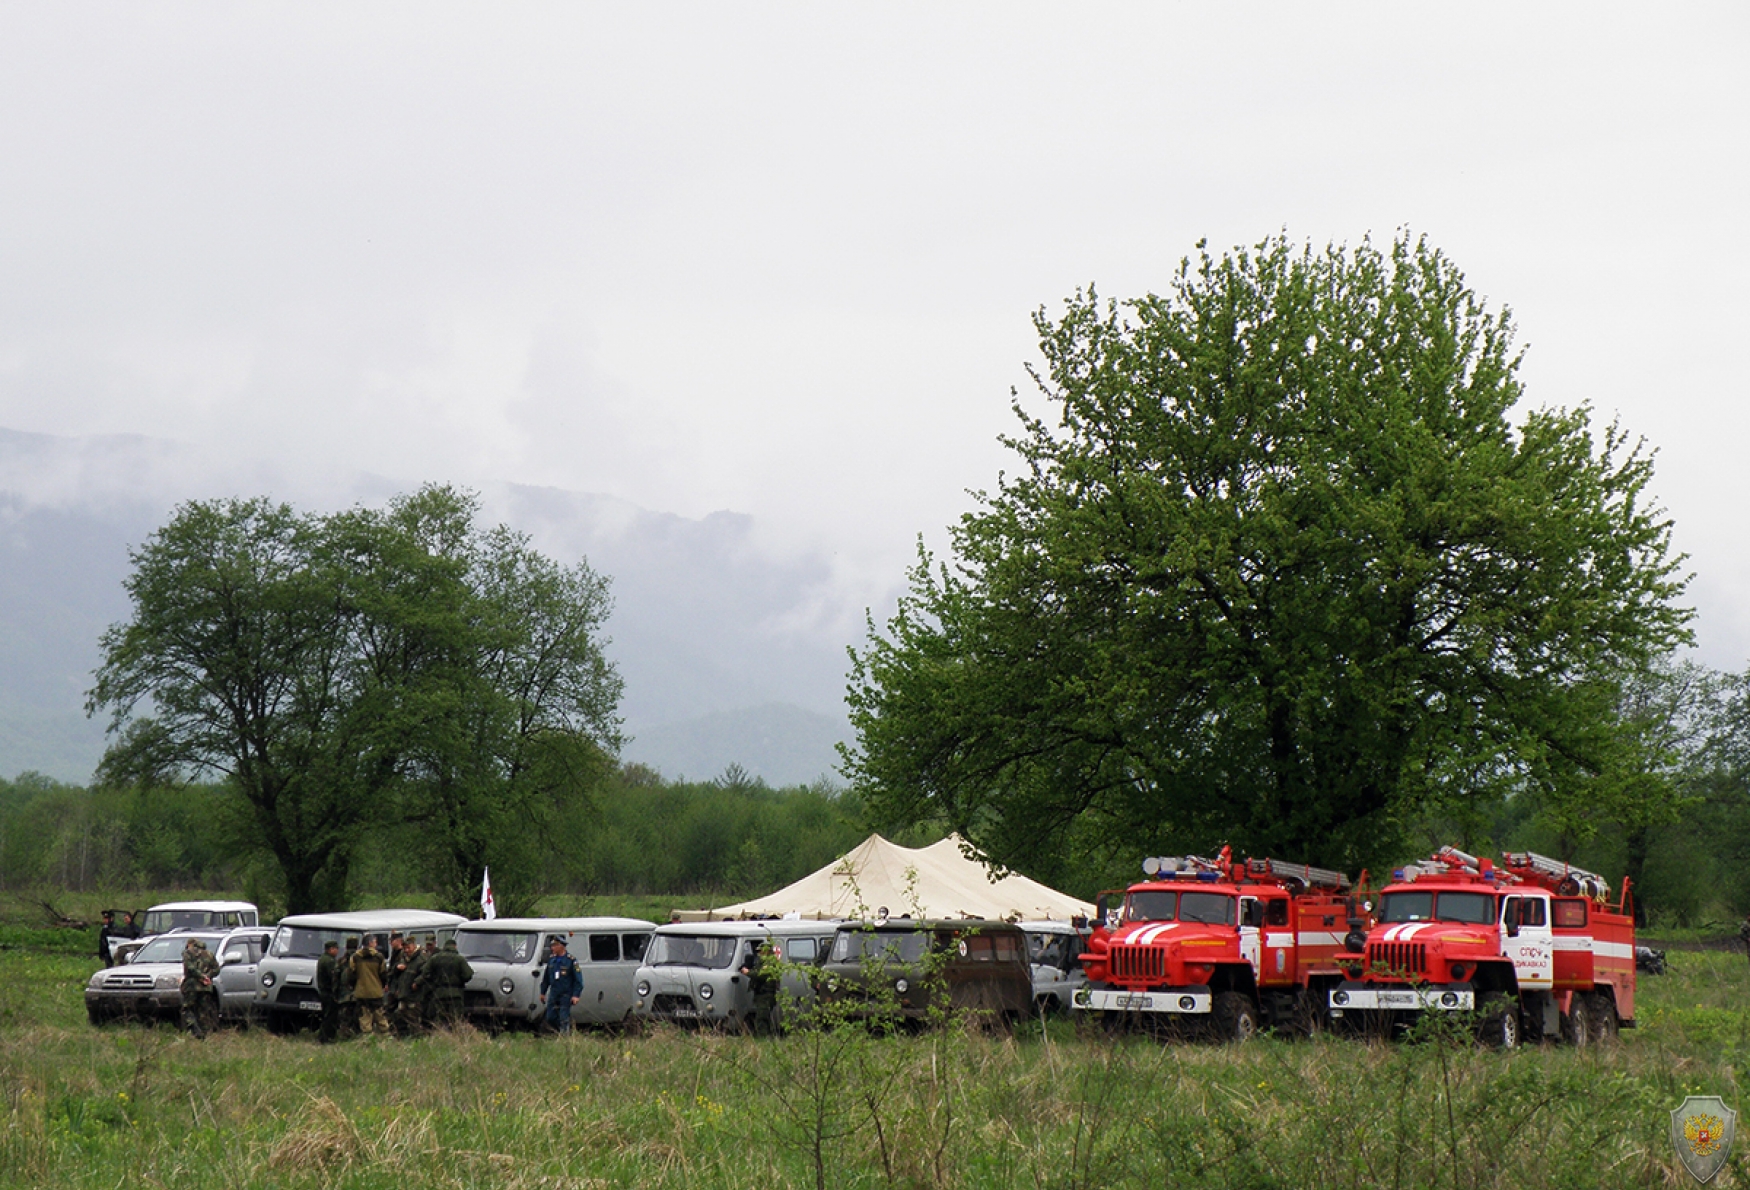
(150, 986)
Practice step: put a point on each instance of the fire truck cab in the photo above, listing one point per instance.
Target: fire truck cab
(1231, 946)
(1531, 945)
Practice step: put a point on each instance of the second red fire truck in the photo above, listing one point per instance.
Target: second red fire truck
(1531, 945)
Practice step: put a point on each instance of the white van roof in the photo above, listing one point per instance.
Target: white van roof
(555, 925)
(205, 906)
(747, 929)
(375, 919)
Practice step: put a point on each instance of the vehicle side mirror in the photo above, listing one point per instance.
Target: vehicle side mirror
(1510, 919)
(1101, 908)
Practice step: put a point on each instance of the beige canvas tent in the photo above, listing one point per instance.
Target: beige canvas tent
(941, 879)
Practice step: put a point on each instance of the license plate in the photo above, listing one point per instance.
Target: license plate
(310, 1005)
(1135, 1001)
(1397, 999)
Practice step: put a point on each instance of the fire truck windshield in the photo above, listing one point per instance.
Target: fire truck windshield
(1152, 904)
(1472, 908)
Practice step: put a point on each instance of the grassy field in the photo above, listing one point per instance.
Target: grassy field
(1052, 1107)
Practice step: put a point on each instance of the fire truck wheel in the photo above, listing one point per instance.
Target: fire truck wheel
(1236, 1017)
(1579, 1027)
(1603, 1018)
(1500, 1029)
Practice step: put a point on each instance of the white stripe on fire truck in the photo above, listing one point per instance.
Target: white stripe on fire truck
(1148, 934)
(1613, 950)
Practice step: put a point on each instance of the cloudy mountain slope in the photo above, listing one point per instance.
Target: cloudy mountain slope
(732, 652)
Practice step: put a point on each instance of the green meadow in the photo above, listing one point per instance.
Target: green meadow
(1052, 1106)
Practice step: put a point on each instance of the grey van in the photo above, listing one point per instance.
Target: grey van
(286, 982)
(914, 970)
(1054, 948)
(692, 974)
(509, 956)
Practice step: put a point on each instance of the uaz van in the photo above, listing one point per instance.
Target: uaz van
(693, 971)
(918, 971)
(509, 956)
(286, 987)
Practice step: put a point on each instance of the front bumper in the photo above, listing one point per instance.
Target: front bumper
(1189, 1001)
(137, 1004)
(1364, 997)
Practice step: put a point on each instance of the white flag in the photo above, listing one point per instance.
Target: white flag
(488, 909)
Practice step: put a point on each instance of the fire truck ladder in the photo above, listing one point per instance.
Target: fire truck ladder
(1309, 876)
(1565, 878)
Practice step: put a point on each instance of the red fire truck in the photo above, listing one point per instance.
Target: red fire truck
(1229, 946)
(1532, 945)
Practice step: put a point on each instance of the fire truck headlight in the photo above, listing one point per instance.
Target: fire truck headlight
(1339, 997)
(1458, 971)
(901, 986)
(1187, 1003)
(1082, 997)
(1449, 1000)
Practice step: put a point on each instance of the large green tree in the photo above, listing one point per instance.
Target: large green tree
(355, 672)
(1281, 571)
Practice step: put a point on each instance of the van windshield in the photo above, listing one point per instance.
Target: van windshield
(304, 942)
(852, 946)
(162, 921)
(497, 946)
(692, 950)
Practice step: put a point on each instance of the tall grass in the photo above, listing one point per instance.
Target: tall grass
(1053, 1106)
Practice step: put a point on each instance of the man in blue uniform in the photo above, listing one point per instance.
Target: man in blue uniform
(561, 986)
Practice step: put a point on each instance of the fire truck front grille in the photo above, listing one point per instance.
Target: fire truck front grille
(1409, 959)
(1139, 963)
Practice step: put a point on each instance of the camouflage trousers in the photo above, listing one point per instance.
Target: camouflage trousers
(200, 1012)
(371, 1018)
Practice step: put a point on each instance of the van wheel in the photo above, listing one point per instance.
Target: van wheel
(1578, 1026)
(1236, 1017)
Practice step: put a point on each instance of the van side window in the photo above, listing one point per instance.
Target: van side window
(633, 946)
(980, 948)
(604, 948)
(1006, 948)
(1570, 914)
(799, 950)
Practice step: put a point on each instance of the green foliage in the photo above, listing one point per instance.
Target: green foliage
(349, 673)
(1280, 573)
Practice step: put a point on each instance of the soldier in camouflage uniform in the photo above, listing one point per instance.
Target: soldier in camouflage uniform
(404, 969)
(328, 990)
(446, 974)
(200, 999)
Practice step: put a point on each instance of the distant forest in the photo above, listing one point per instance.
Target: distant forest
(637, 834)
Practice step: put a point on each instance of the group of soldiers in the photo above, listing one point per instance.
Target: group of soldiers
(405, 991)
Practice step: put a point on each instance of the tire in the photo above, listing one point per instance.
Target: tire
(98, 1019)
(1236, 1017)
(1579, 1027)
(1500, 1027)
(1603, 1024)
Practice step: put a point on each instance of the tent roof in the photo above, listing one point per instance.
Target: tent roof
(940, 880)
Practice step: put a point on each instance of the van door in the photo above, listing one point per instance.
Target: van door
(607, 981)
(237, 968)
(1249, 940)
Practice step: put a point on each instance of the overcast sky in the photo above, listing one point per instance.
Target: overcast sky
(780, 259)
